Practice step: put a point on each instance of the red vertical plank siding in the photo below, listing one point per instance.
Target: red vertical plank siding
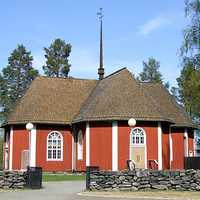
(81, 164)
(123, 144)
(20, 143)
(124, 130)
(101, 145)
(165, 147)
(151, 130)
(178, 148)
(41, 155)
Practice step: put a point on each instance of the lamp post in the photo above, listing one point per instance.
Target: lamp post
(34, 174)
(29, 128)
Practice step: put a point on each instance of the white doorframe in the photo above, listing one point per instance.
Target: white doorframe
(138, 145)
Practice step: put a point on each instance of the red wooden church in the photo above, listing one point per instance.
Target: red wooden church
(80, 122)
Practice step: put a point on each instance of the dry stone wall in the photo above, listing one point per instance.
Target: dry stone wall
(142, 179)
(12, 180)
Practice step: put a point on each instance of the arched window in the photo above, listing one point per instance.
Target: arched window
(54, 146)
(138, 136)
(80, 145)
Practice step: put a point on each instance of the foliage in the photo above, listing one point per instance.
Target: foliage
(57, 63)
(15, 78)
(62, 177)
(189, 89)
(189, 80)
(191, 41)
(151, 72)
(175, 92)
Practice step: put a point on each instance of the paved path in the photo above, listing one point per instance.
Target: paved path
(53, 191)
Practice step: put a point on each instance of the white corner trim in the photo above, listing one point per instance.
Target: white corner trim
(33, 137)
(170, 148)
(11, 148)
(159, 146)
(114, 146)
(186, 142)
(87, 144)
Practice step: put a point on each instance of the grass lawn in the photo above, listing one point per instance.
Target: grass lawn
(62, 177)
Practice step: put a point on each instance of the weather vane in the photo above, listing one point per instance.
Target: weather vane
(100, 13)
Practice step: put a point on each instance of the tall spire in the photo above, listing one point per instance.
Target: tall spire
(101, 69)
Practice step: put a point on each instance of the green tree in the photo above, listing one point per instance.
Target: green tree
(175, 92)
(15, 78)
(189, 80)
(57, 63)
(189, 89)
(151, 71)
(191, 43)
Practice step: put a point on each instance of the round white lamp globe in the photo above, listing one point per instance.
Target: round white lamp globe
(131, 122)
(29, 126)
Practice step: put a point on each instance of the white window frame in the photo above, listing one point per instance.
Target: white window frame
(80, 146)
(144, 137)
(61, 156)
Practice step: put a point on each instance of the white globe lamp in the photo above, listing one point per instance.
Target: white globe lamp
(131, 122)
(29, 126)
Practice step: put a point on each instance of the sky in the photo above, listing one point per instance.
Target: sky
(133, 31)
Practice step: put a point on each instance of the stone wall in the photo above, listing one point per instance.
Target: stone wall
(145, 180)
(12, 180)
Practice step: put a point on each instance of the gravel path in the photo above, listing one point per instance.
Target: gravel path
(67, 190)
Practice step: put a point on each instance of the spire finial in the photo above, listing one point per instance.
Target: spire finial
(101, 69)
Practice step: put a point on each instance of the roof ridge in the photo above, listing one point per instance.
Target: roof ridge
(150, 82)
(119, 70)
(69, 78)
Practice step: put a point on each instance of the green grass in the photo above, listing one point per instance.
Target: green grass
(62, 177)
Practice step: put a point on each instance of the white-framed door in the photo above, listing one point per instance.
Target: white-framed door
(138, 149)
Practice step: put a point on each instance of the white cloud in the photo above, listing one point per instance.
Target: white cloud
(153, 24)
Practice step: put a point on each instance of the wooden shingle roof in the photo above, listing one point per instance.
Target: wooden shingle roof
(52, 100)
(117, 97)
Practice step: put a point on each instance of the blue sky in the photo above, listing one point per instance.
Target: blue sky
(133, 31)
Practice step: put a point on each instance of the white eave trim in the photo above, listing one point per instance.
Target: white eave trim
(11, 149)
(87, 144)
(159, 146)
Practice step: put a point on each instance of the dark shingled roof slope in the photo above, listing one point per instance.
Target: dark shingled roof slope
(120, 96)
(117, 97)
(168, 104)
(52, 100)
